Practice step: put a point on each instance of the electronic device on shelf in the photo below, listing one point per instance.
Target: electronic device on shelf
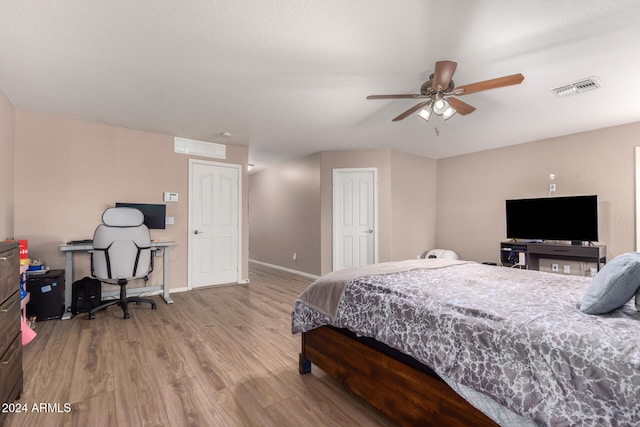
(513, 254)
(573, 218)
(154, 214)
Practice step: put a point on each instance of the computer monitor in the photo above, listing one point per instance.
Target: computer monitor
(154, 214)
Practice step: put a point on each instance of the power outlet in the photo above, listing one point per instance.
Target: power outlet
(554, 267)
(566, 269)
(552, 188)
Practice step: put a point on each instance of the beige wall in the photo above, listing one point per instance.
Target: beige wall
(284, 206)
(53, 189)
(68, 171)
(472, 188)
(413, 196)
(291, 208)
(7, 117)
(470, 191)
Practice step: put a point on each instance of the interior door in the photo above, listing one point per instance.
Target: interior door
(354, 217)
(214, 223)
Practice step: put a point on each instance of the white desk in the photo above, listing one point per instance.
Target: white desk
(86, 247)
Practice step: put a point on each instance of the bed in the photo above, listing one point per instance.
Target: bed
(447, 342)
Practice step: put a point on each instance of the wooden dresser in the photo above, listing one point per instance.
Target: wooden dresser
(10, 338)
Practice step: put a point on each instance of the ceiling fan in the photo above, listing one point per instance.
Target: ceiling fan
(440, 90)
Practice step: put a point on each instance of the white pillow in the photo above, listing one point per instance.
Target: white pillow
(614, 285)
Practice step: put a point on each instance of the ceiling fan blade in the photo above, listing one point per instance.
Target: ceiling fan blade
(410, 96)
(461, 107)
(513, 79)
(411, 111)
(443, 74)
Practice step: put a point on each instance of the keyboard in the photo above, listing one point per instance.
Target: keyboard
(80, 242)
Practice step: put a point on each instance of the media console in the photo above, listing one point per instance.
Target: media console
(510, 253)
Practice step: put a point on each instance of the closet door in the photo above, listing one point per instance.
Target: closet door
(214, 223)
(354, 217)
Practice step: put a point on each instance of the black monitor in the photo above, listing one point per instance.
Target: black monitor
(572, 218)
(154, 214)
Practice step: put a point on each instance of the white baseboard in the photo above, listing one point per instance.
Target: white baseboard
(246, 281)
(176, 290)
(278, 267)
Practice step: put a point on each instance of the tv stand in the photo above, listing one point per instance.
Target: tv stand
(510, 250)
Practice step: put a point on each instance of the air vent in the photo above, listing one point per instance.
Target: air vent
(199, 148)
(575, 88)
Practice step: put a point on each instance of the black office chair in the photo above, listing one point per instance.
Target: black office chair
(121, 252)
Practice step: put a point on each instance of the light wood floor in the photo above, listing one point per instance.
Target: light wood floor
(221, 356)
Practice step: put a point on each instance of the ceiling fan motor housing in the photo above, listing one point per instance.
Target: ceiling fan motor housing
(427, 87)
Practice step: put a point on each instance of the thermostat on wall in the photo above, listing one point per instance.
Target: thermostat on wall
(170, 197)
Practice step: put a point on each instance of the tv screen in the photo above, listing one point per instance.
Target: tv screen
(154, 215)
(572, 218)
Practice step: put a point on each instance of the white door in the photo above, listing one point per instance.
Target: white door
(214, 223)
(354, 217)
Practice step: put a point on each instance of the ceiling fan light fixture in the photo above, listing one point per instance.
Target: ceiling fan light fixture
(449, 112)
(425, 113)
(440, 106)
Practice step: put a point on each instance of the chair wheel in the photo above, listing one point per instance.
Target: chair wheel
(92, 316)
(153, 306)
(127, 315)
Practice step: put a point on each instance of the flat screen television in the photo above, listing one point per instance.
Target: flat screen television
(154, 215)
(572, 218)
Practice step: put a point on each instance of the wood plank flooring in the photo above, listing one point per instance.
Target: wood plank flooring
(220, 356)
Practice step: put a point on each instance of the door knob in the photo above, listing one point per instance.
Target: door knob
(197, 232)
(369, 231)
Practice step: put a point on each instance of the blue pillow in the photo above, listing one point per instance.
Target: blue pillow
(614, 285)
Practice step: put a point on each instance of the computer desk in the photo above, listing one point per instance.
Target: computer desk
(69, 249)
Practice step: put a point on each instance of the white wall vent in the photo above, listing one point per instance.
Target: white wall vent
(575, 88)
(199, 148)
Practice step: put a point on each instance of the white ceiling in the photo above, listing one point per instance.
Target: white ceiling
(289, 77)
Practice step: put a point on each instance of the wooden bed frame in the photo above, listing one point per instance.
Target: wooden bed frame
(404, 393)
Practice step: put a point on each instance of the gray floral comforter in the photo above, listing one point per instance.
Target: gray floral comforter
(517, 336)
